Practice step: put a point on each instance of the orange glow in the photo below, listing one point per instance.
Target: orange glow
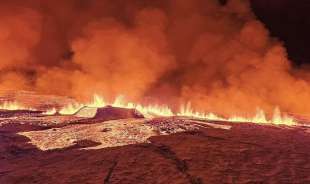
(50, 111)
(98, 101)
(150, 111)
(12, 106)
(201, 51)
(70, 109)
(185, 111)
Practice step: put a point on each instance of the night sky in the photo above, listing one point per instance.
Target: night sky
(288, 20)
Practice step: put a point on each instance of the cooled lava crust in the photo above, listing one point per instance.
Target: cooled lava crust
(120, 146)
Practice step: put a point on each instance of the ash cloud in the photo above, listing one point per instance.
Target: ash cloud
(214, 54)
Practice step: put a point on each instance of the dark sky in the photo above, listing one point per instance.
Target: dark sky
(289, 20)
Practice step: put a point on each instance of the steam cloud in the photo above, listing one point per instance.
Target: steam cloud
(216, 55)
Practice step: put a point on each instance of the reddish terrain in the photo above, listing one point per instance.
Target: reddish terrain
(35, 148)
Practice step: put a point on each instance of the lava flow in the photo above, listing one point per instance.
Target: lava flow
(165, 111)
(160, 111)
(12, 106)
(185, 91)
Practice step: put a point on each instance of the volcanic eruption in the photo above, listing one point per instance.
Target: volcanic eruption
(218, 57)
(83, 75)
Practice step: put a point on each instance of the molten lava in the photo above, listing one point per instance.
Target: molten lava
(186, 111)
(13, 106)
(50, 111)
(200, 51)
(159, 110)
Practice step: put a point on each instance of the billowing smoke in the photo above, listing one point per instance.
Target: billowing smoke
(18, 36)
(214, 54)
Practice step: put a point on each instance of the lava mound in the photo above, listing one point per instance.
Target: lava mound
(111, 113)
(108, 113)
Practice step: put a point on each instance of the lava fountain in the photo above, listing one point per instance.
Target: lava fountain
(214, 54)
(185, 111)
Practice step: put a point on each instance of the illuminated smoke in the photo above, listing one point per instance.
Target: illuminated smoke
(218, 57)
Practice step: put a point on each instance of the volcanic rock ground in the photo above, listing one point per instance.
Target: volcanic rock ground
(112, 145)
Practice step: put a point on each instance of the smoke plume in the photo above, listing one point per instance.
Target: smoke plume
(214, 54)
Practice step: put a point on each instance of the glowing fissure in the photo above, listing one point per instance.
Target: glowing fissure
(50, 112)
(13, 106)
(201, 51)
(161, 111)
(185, 111)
